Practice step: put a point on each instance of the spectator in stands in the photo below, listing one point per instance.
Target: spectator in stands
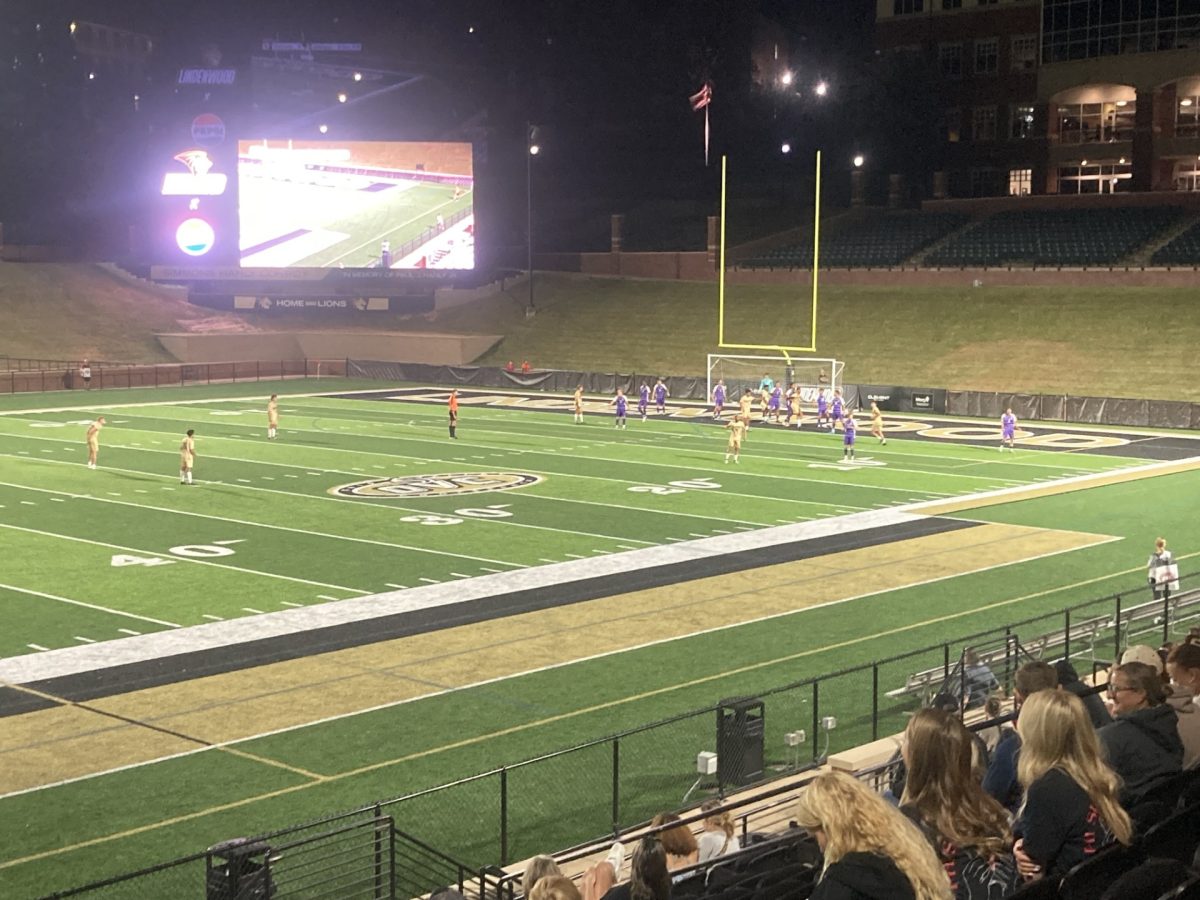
(1070, 809)
(993, 708)
(555, 887)
(968, 829)
(679, 842)
(978, 679)
(720, 834)
(1069, 680)
(872, 852)
(1001, 778)
(539, 867)
(85, 372)
(525, 367)
(1142, 744)
(511, 367)
(1179, 696)
(648, 875)
(1164, 576)
(1183, 665)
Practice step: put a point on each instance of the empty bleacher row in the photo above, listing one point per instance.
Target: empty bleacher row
(874, 242)
(1105, 236)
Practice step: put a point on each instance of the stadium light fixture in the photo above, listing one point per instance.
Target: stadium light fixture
(1186, 101)
(1083, 162)
(342, 97)
(821, 89)
(785, 148)
(1122, 103)
(358, 76)
(324, 129)
(786, 79)
(534, 149)
(858, 161)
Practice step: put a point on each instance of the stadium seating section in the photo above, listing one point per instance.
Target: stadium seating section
(875, 242)
(1184, 250)
(1074, 237)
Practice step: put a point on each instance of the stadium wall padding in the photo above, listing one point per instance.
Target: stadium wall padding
(429, 348)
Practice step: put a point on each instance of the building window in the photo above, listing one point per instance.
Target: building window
(987, 56)
(954, 125)
(1020, 124)
(951, 4)
(1095, 178)
(1187, 176)
(1087, 123)
(985, 182)
(1187, 116)
(986, 2)
(983, 123)
(1024, 53)
(907, 7)
(950, 60)
(1088, 29)
(1020, 182)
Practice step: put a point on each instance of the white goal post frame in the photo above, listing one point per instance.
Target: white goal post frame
(803, 370)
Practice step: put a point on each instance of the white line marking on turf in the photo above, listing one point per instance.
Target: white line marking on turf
(57, 500)
(574, 556)
(290, 603)
(38, 647)
(227, 543)
(401, 587)
(115, 612)
(129, 631)
(251, 609)
(86, 640)
(481, 568)
(429, 580)
(212, 617)
(28, 503)
(327, 597)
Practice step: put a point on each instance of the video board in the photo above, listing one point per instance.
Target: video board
(355, 204)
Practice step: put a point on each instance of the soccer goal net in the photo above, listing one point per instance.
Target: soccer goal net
(741, 373)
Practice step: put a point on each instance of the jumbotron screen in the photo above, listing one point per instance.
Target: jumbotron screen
(356, 204)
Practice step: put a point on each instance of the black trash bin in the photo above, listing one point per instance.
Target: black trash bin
(239, 869)
(740, 737)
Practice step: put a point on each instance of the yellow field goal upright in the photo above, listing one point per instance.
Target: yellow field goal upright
(742, 372)
(783, 350)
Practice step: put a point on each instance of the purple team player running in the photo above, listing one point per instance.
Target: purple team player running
(643, 400)
(660, 397)
(850, 428)
(822, 408)
(718, 399)
(835, 412)
(1008, 430)
(620, 402)
(773, 402)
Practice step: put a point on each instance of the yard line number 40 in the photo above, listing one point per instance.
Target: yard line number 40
(185, 551)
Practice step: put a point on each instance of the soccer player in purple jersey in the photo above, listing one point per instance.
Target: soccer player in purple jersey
(643, 400)
(718, 399)
(773, 402)
(849, 430)
(822, 408)
(1008, 430)
(620, 402)
(835, 411)
(660, 397)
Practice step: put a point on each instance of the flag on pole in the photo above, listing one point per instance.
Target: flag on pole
(700, 101)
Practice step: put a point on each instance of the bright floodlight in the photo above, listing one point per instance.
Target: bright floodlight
(858, 161)
(342, 97)
(822, 89)
(534, 149)
(785, 147)
(785, 79)
(324, 129)
(358, 76)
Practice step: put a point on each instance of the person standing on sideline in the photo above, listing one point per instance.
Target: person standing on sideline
(272, 417)
(849, 429)
(85, 372)
(660, 397)
(1008, 430)
(453, 407)
(877, 423)
(187, 456)
(579, 405)
(718, 399)
(737, 429)
(93, 441)
(1164, 574)
(621, 402)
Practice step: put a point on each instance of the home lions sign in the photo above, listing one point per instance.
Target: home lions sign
(409, 487)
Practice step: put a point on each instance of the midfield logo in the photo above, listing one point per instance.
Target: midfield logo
(408, 487)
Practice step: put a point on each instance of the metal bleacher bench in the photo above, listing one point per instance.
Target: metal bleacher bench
(1135, 620)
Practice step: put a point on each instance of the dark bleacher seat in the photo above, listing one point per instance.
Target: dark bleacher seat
(1148, 881)
(1046, 889)
(1177, 837)
(1068, 237)
(878, 241)
(1090, 878)
(1183, 250)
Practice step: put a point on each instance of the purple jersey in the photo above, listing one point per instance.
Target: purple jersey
(643, 398)
(1008, 424)
(660, 394)
(621, 402)
(848, 435)
(822, 404)
(773, 403)
(719, 395)
(836, 412)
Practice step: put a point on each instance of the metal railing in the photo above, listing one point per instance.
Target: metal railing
(107, 376)
(605, 786)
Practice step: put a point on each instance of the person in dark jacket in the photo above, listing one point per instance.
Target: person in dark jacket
(872, 851)
(1142, 744)
(1000, 780)
(1093, 702)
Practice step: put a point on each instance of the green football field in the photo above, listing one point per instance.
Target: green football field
(365, 498)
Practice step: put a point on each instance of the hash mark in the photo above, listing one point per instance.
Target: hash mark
(327, 597)
(227, 543)
(57, 500)
(28, 503)
(251, 609)
(430, 580)
(86, 640)
(486, 569)
(214, 618)
(290, 603)
(38, 647)
(460, 575)
(574, 556)
(128, 631)
(399, 587)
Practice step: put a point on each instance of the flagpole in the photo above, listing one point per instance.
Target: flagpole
(706, 137)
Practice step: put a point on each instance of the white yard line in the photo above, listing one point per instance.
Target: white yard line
(115, 612)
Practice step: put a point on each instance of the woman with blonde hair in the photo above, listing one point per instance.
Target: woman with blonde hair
(967, 828)
(720, 834)
(1070, 809)
(872, 852)
(539, 867)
